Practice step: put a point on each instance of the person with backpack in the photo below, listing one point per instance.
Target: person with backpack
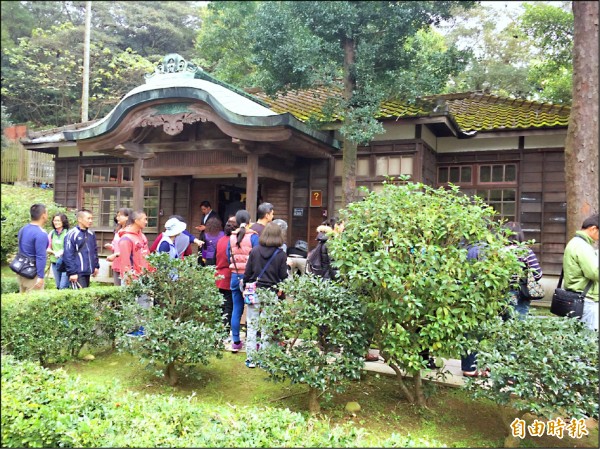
(267, 267)
(241, 242)
(318, 261)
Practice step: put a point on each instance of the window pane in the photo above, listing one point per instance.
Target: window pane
(87, 175)
(407, 166)
(498, 173)
(508, 209)
(495, 195)
(339, 164)
(454, 174)
(127, 173)
(113, 174)
(362, 168)
(443, 174)
(381, 166)
(510, 173)
(509, 195)
(465, 175)
(485, 173)
(395, 166)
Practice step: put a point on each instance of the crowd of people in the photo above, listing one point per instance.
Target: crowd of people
(246, 253)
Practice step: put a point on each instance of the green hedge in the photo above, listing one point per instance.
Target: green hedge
(53, 325)
(9, 284)
(44, 408)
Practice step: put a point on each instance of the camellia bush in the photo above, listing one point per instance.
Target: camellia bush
(54, 325)
(320, 335)
(544, 366)
(405, 248)
(185, 325)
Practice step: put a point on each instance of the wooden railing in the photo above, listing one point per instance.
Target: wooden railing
(21, 165)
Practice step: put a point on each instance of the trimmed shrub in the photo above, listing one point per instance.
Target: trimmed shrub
(43, 408)
(9, 284)
(53, 325)
(322, 334)
(546, 366)
(185, 325)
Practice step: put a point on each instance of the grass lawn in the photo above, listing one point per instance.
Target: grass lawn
(452, 418)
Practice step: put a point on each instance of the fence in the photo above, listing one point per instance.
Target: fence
(31, 167)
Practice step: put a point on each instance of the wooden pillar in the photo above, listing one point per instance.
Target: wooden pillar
(252, 185)
(138, 184)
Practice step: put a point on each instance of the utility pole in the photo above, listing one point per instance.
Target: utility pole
(86, 63)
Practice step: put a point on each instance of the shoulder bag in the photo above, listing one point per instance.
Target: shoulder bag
(250, 295)
(567, 302)
(530, 288)
(23, 265)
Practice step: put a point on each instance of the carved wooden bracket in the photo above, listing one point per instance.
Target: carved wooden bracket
(173, 123)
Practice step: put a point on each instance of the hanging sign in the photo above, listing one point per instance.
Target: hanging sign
(316, 198)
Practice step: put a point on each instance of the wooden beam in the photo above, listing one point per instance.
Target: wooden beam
(197, 145)
(275, 174)
(138, 184)
(203, 170)
(252, 185)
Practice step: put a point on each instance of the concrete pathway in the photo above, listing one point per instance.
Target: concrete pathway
(450, 374)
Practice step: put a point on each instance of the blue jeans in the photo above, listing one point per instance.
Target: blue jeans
(61, 279)
(238, 306)
(521, 307)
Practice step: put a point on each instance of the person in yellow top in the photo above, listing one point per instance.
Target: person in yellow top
(580, 266)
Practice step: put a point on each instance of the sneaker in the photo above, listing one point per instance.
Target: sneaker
(250, 363)
(235, 347)
(137, 333)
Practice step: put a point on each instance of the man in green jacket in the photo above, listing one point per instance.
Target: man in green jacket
(580, 265)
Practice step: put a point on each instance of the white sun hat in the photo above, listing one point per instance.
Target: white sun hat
(174, 227)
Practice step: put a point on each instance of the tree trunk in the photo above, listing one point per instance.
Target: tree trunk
(407, 394)
(350, 148)
(420, 397)
(581, 146)
(313, 401)
(171, 374)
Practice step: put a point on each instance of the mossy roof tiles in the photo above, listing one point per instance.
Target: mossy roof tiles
(472, 111)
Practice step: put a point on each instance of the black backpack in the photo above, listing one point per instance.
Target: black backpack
(314, 261)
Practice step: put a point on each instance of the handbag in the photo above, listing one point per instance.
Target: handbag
(24, 266)
(568, 303)
(250, 294)
(530, 288)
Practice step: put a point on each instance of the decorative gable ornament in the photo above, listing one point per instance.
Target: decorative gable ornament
(173, 66)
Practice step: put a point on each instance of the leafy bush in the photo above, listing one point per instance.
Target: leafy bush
(53, 325)
(546, 366)
(329, 319)
(16, 202)
(10, 284)
(43, 408)
(406, 248)
(185, 326)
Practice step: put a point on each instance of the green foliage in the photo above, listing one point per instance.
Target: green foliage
(53, 325)
(16, 202)
(406, 249)
(10, 284)
(324, 330)
(43, 408)
(5, 124)
(185, 325)
(42, 79)
(530, 57)
(546, 366)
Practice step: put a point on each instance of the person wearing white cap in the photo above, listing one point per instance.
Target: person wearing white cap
(173, 227)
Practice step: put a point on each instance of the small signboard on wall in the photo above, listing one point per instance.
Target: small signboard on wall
(316, 198)
(298, 212)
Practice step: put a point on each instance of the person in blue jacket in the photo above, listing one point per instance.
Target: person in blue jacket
(81, 251)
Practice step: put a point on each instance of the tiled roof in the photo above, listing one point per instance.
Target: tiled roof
(472, 111)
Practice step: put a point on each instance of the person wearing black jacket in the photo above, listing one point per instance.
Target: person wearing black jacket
(267, 254)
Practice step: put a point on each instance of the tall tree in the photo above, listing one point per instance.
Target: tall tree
(581, 147)
(365, 44)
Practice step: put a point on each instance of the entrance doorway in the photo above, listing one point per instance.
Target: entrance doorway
(231, 198)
